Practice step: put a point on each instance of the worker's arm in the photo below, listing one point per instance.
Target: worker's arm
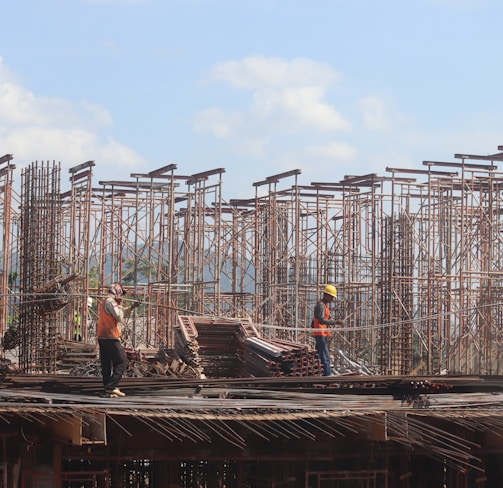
(128, 310)
(114, 309)
(119, 312)
(319, 313)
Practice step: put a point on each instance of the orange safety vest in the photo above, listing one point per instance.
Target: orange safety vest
(323, 328)
(107, 325)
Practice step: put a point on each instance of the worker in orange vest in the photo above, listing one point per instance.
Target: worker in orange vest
(113, 357)
(321, 327)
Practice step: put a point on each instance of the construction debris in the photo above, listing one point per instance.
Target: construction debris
(53, 295)
(77, 359)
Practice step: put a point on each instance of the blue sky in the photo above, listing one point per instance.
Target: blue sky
(258, 87)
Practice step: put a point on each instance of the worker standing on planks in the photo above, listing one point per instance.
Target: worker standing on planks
(112, 354)
(321, 324)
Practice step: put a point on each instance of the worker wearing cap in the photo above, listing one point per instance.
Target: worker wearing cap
(113, 357)
(321, 327)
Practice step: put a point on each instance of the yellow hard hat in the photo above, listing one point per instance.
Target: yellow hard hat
(330, 290)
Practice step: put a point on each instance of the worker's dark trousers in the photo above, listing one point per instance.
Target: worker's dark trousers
(323, 354)
(113, 362)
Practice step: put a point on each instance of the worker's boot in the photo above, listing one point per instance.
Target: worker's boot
(115, 393)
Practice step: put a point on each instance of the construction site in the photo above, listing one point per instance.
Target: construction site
(224, 387)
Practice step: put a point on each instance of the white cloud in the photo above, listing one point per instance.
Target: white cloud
(256, 72)
(20, 107)
(17, 106)
(252, 148)
(301, 107)
(287, 99)
(337, 151)
(374, 114)
(306, 104)
(216, 121)
(53, 128)
(377, 115)
(70, 147)
(5, 73)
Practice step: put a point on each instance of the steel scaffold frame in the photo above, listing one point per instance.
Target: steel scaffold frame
(415, 255)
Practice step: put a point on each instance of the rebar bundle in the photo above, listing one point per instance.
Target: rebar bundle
(40, 259)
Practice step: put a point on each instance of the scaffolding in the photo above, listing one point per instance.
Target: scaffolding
(415, 254)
